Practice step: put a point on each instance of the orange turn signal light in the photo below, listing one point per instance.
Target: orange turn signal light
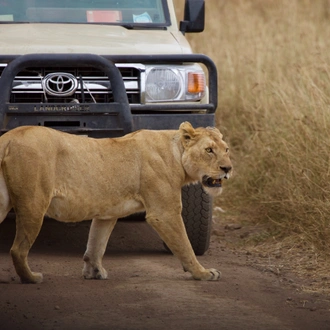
(196, 82)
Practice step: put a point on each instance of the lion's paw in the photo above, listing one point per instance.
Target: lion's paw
(215, 275)
(35, 278)
(98, 273)
(210, 275)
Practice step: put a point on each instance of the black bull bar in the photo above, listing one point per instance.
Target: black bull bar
(11, 116)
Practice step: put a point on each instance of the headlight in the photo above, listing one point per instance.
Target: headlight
(163, 84)
(174, 83)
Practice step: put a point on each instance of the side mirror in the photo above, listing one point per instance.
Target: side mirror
(194, 16)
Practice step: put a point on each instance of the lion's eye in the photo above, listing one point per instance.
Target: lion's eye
(209, 150)
(227, 150)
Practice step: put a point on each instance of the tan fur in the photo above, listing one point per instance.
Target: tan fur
(72, 178)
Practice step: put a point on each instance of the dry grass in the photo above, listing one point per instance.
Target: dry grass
(273, 59)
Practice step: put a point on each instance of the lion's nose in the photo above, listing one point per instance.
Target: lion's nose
(226, 169)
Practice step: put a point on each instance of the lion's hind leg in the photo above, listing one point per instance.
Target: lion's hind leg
(27, 230)
(98, 237)
(5, 204)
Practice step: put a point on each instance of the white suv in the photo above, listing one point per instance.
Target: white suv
(104, 68)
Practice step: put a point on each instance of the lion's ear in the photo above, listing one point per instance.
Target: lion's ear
(187, 132)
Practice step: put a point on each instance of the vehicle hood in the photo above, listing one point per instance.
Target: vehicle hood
(19, 39)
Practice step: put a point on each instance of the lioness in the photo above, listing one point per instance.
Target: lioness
(71, 178)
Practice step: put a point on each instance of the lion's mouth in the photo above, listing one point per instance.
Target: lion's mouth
(212, 183)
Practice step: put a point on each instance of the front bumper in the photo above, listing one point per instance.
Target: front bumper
(103, 119)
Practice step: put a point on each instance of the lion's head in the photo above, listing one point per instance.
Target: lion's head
(205, 157)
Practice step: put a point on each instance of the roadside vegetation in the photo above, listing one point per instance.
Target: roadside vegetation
(273, 59)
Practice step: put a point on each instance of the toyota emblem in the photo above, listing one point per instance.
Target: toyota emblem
(60, 84)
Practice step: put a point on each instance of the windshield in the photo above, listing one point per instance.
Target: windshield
(120, 12)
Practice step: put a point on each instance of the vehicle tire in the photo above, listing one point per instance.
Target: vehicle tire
(197, 217)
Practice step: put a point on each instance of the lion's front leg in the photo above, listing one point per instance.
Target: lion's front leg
(98, 237)
(172, 231)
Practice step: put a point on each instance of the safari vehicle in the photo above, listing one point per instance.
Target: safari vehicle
(104, 68)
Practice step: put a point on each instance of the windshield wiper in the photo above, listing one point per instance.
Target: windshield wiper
(134, 26)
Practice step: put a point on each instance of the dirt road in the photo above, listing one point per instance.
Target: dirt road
(147, 288)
